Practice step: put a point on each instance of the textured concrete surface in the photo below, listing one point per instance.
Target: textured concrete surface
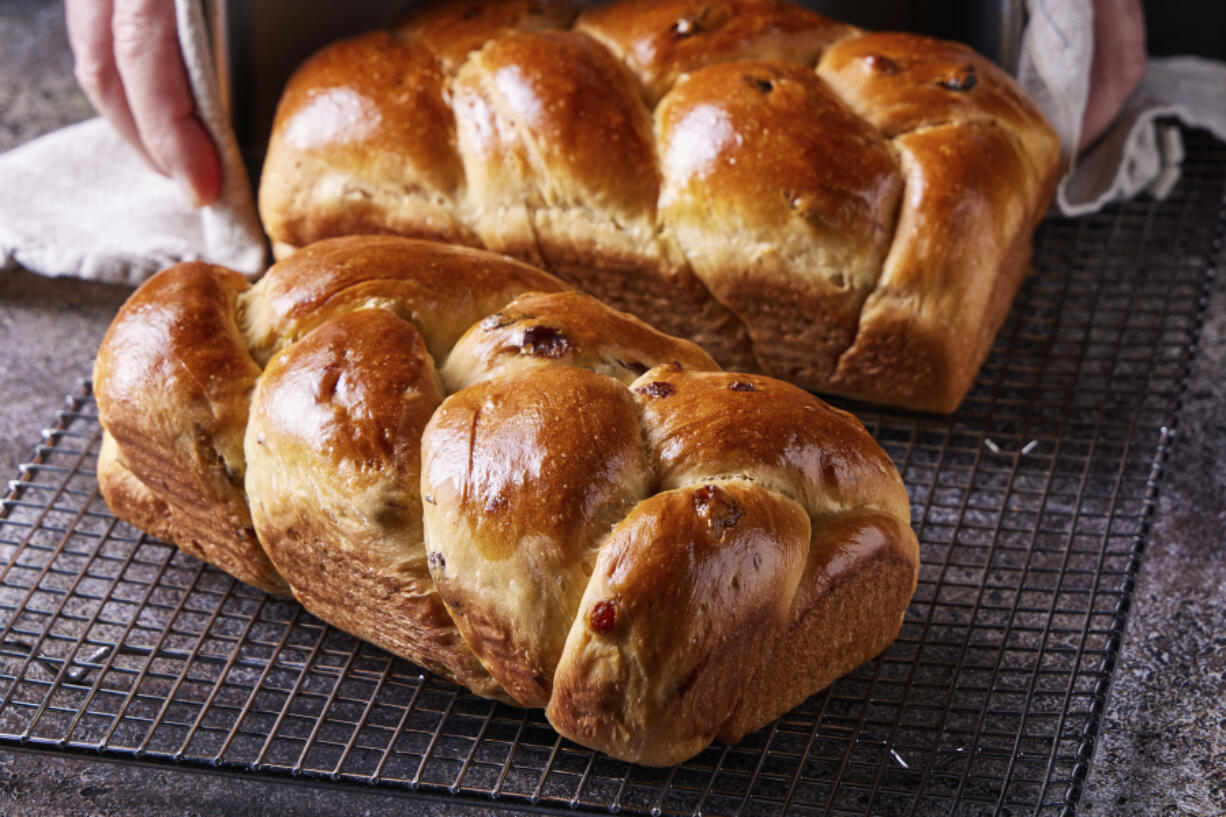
(49, 332)
(37, 91)
(37, 784)
(1162, 750)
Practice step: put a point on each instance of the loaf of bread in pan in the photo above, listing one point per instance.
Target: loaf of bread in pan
(846, 210)
(458, 458)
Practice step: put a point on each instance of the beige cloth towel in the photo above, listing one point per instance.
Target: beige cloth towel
(79, 202)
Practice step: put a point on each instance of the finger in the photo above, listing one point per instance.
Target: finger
(1117, 65)
(89, 34)
(147, 55)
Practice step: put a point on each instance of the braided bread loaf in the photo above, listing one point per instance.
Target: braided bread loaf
(845, 210)
(572, 511)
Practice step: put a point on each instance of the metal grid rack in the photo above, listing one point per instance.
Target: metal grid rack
(1031, 504)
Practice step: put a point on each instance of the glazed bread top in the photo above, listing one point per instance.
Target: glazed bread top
(454, 456)
(835, 207)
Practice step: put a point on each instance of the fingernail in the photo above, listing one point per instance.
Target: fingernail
(189, 191)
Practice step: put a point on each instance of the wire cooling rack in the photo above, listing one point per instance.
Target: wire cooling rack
(1031, 505)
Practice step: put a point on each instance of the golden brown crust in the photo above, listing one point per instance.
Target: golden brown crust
(725, 443)
(724, 425)
(568, 328)
(525, 475)
(172, 381)
(903, 82)
(660, 41)
(454, 30)
(714, 564)
(935, 285)
(859, 577)
(440, 289)
(561, 171)
(758, 220)
(368, 146)
(804, 193)
(334, 471)
(658, 557)
(550, 118)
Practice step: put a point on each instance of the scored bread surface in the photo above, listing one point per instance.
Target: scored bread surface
(847, 210)
(458, 458)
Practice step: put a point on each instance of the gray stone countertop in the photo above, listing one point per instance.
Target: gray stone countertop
(1162, 748)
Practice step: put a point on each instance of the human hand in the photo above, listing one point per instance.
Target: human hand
(128, 62)
(1117, 66)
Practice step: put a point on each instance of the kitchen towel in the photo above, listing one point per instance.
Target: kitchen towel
(80, 202)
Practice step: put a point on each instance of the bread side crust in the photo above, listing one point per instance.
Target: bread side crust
(845, 612)
(928, 326)
(172, 382)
